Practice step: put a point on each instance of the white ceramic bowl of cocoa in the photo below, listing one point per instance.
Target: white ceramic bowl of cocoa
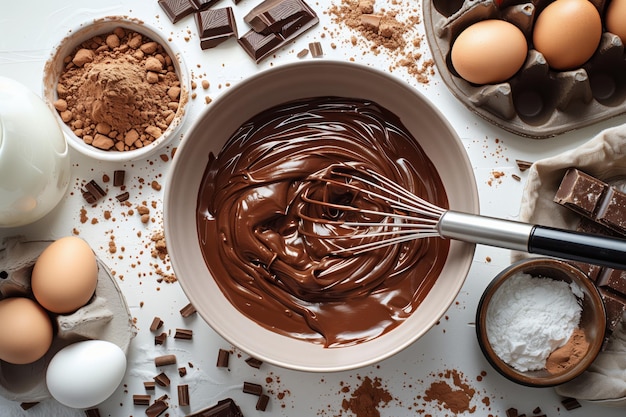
(234, 306)
(511, 353)
(118, 88)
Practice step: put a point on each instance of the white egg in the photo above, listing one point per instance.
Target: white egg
(86, 373)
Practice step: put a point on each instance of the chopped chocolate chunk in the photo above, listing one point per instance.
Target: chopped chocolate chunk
(165, 360)
(89, 198)
(92, 412)
(182, 371)
(613, 279)
(156, 408)
(160, 339)
(254, 362)
(162, 380)
(157, 323)
(185, 334)
(614, 305)
(223, 408)
(222, 358)
(304, 52)
(183, 394)
(262, 402)
(523, 165)
(516, 177)
(28, 405)
(177, 9)
(613, 212)
(141, 399)
(118, 177)
(275, 23)
(252, 388)
(95, 190)
(215, 26)
(316, 49)
(580, 192)
(123, 197)
(188, 310)
(570, 403)
(149, 385)
(511, 412)
(537, 410)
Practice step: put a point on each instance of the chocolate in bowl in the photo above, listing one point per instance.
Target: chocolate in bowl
(208, 136)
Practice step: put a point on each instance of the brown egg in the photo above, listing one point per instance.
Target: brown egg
(567, 33)
(489, 52)
(615, 18)
(25, 330)
(65, 275)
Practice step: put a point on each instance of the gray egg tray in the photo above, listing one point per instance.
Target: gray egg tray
(105, 317)
(537, 102)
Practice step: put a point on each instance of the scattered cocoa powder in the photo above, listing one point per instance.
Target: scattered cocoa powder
(569, 354)
(118, 91)
(366, 399)
(456, 397)
(383, 31)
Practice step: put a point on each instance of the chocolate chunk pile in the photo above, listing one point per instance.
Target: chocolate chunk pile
(274, 23)
(602, 208)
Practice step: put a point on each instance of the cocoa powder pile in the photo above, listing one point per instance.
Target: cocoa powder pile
(118, 91)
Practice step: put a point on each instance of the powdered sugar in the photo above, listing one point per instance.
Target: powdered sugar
(529, 317)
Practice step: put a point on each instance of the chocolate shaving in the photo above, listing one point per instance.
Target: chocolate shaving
(254, 362)
(252, 388)
(523, 165)
(157, 408)
(222, 358)
(188, 310)
(165, 360)
(160, 339)
(183, 394)
(156, 324)
(184, 334)
(162, 380)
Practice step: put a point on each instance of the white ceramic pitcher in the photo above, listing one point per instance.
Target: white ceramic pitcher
(34, 156)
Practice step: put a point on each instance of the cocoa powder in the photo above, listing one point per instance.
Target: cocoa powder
(366, 399)
(569, 354)
(118, 91)
(456, 397)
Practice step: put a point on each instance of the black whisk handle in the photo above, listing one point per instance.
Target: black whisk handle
(581, 247)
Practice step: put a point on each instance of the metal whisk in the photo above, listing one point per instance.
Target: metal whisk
(396, 215)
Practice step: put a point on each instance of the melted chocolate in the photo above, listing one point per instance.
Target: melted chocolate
(251, 232)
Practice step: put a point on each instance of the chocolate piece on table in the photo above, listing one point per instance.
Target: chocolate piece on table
(252, 388)
(614, 306)
(200, 5)
(182, 371)
(89, 198)
(92, 412)
(254, 362)
(94, 189)
(570, 403)
(183, 394)
(316, 49)
(118, 177)
(28, 405)
(123, 197)
(185, 334)
(162, 380)
(224, 408)
(141, 399)
(177, 9)
(614, 279)
(262, 402)
(580, 192)
(188, 310)
(149, 385)
(271, 15)
(156, 324)
(279, 24)
(160, 339)
(157, 408)
(165, 360)
(215, 26)
(612, 213)
(222, 358)
(511, 412)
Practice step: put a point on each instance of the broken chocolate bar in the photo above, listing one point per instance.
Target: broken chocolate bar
(262, 402)
(316, 49)
(215, 26)
(183, 395)
(162, 380)
(275, 23)
(254, 362)
(176, 9)
(222, 358)
(165, 360)
(224, 408)
(580, 192)
(141, 399)
(252, 388)
(157, 408)
(570, 403)
(118, 177)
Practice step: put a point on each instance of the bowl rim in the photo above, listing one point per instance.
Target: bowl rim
(500, 365)
(99, 26)
(334, 359)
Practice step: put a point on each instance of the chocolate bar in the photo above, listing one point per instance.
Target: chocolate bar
(178, 9)
(224, 408)
(274, 24)
(215, 26)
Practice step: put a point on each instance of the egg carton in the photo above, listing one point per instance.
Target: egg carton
(105, 317)
(537, 102)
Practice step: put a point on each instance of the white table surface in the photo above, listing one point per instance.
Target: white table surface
(28, 32)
